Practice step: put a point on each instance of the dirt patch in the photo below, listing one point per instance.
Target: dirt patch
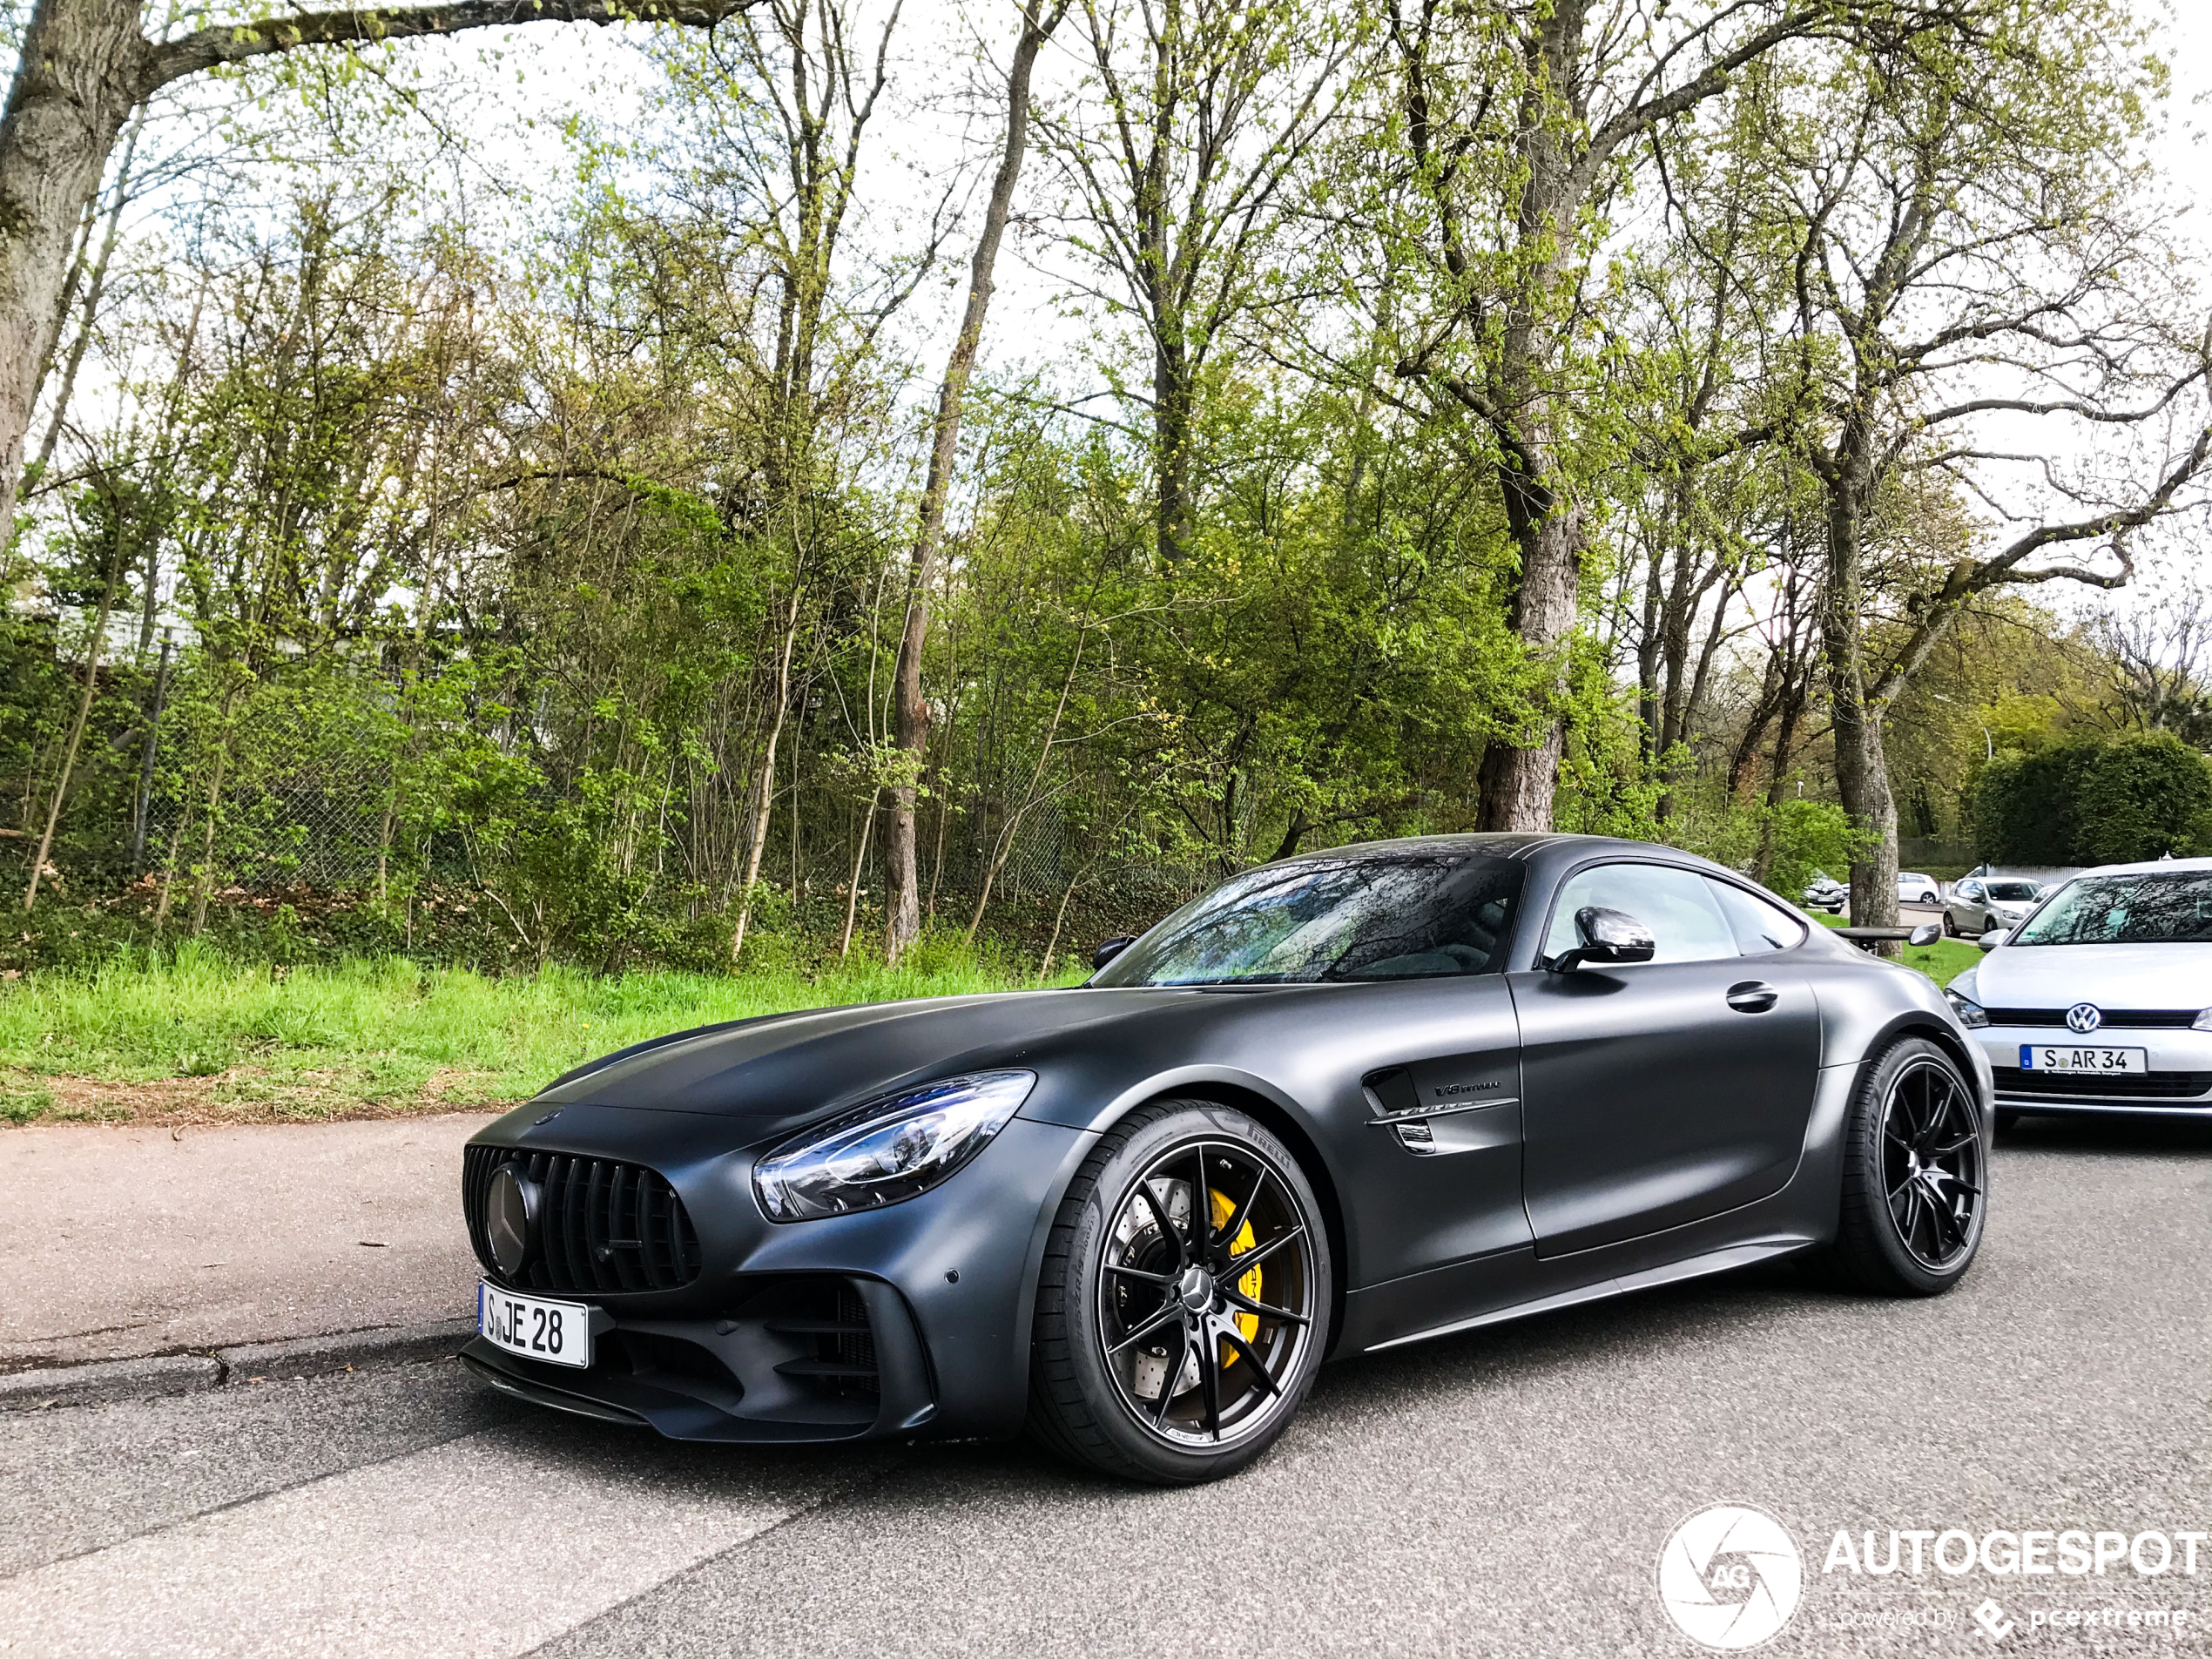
(241, 1095)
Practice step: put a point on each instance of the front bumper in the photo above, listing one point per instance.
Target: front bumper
(912, 1320)
(2178, 1084)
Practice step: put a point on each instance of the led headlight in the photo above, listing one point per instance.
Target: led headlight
(890, 1148)
(2202, 1022)
(1970, 1012)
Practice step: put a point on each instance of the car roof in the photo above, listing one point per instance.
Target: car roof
(2152, 866)
(1516, 845)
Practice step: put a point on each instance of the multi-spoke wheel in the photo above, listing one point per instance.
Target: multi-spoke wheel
(1185, 1300)
(1916, 1174)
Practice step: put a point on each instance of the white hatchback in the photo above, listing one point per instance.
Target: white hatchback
(2101, 1000)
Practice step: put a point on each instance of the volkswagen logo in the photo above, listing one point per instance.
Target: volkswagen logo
(511, 1219)
(2083, 1018)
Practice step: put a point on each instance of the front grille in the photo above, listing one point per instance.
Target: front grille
(2127, 1019)
(602, 1226)
(2157, 1085)
(835, 1327)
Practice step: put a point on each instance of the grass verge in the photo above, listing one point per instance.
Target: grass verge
(194, 1038)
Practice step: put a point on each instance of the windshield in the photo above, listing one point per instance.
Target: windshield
(2012, 892)
(1375, 918)
(2125, 910)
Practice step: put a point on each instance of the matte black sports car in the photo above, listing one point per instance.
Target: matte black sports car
(1345, 1100)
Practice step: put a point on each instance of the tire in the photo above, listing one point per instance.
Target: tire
(1126, 1318)
(1950, 927)
(1916, 1175)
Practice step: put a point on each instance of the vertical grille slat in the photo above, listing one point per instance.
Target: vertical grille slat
(603, 1226)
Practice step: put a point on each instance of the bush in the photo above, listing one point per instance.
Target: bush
(2094, 801)
(1809, 835)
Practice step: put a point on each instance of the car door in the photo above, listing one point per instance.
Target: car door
(1667, 1091)
(1966, 913)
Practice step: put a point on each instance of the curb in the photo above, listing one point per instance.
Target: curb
(109, 1380)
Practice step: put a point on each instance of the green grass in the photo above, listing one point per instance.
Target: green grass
(196, 1037)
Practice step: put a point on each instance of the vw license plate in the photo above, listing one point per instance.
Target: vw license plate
(2043, 1056)
(557, 1332)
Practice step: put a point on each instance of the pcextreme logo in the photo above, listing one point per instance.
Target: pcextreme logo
(1729, 1577)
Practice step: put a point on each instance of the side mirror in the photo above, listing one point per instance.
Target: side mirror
(1926, 934)
(1110, 949)
(1609, 937)
(1993, 938)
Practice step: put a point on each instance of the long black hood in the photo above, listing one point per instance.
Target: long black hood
(782, 1071)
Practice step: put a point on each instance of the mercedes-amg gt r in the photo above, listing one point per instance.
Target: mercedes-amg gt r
(1348, 1100)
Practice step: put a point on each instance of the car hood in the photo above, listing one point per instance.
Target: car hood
(782, 1071)
(2112, 976)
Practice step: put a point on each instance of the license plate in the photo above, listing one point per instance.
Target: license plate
(557, 1332)
(2041, 1056)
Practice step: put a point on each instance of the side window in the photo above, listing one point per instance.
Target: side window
(1970, 890)
(1760, 925)
(1677, 905)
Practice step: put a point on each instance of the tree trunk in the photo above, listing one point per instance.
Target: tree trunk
(76, 738)
(1518, 785)
(758, 841)
(1862, 769)
(83, 70)
(910, 712)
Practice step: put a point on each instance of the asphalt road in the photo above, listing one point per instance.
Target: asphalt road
(1505, 1492)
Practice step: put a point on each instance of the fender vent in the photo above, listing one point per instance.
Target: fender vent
(602, 1226)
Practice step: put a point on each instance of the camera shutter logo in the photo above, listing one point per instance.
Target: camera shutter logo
(1729, 1577)
(2083, 1018)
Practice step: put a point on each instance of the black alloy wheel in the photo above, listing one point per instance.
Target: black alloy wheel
(1916, 1175)
(1932, 1164)
(1181, 1325)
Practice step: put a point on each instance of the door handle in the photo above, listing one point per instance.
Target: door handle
(1752, 997)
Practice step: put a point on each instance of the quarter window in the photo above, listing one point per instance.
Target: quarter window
(1760, 925)
(1678, 905)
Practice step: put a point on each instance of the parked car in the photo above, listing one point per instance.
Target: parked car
(1982, 903)
(1346, 1101)
(1912, 887)
(2101, 1000)
(1823, 892)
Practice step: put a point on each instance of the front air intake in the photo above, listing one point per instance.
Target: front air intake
(601, 1227)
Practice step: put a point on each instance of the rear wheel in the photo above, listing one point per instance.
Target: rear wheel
(1916, 1175)
(1184, 1298)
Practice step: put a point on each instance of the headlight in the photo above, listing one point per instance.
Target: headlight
(1970, 1012)
(2202, 1022)
(890, 1148)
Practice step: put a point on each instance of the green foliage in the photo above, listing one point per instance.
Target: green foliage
(1809, 836)
(2095, 801)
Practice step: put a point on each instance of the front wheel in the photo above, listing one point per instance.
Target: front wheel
(1916, 1175)
(1183, 1302)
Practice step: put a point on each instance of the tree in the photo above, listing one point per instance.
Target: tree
(1973, 241)
(87, 65)
(1208, 108)
(1515, 122)
(910, 712)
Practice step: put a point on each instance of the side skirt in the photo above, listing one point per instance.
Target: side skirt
(1718, 1261)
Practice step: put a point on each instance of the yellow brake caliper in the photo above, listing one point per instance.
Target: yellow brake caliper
(1248, 1286)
